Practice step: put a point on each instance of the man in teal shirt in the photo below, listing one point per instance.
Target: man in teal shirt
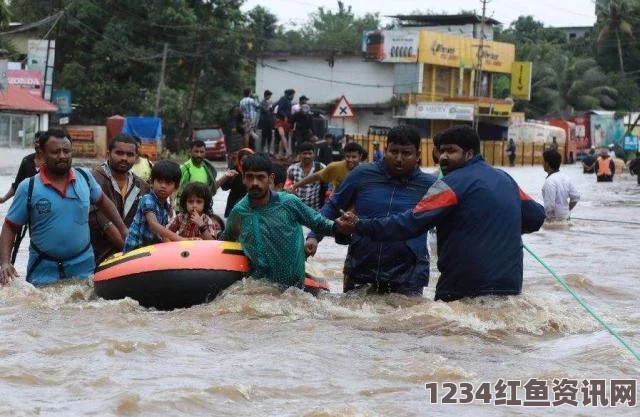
(269, 226)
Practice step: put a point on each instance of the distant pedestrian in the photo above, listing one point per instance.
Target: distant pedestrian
(634, 167)
(589, 162)
(377, 152)
(282, 111)
(605, 167)
(265, 123)
(511, 153)
(559, 194)
(250, 108)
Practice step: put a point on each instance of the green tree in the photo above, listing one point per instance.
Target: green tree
(562, 84)
(616, 23)
(328, 29)
(263, 26)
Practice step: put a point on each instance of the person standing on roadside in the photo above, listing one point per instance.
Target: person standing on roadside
(266, 122)
(282, 111)
(250, 108)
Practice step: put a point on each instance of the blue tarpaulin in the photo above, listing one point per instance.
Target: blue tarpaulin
(148, 129)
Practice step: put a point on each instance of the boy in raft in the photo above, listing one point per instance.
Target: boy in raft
(194, 220)
(149, 224)
(269, 226)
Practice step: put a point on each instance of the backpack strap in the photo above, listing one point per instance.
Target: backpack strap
(84, 175)
(29, 195)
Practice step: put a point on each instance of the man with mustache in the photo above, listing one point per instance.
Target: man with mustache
(199, 169)
(269, 226)
(389, 186)
(55, 203)
(120, 185)
(480, 214)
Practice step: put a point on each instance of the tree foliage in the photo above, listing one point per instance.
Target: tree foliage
(109, 54)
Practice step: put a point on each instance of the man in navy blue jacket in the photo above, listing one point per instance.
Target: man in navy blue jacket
(390, 186)
(480, 214)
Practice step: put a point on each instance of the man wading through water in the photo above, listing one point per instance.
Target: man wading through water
(55, 204)
(120, 185)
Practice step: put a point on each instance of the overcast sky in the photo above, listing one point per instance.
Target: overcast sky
(551, 12)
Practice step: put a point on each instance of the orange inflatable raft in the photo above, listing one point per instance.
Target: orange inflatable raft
(177, 274)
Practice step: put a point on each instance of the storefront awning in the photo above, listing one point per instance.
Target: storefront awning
(21, 100)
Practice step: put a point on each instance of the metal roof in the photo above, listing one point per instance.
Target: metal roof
(442, 19)
(20, 99)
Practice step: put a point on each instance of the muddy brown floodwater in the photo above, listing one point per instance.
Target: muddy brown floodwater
(256, 352)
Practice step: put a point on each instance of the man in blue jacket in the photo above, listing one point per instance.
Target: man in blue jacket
(390, 186)
(480, 214)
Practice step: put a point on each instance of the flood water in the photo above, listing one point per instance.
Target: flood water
(256, 352)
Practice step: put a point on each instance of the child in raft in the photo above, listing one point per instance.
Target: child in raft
(195, 220)
(149, 224)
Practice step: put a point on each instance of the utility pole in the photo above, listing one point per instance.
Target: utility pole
(480, 57)
(161, 80)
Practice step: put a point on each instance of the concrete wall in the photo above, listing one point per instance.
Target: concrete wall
(97, 147)
(322, 83)
(359, 125)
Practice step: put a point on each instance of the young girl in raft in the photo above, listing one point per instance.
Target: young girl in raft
(196, 220)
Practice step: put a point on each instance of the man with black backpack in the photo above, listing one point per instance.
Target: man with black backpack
(55, 204)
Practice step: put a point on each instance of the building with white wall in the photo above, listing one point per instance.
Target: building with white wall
(467, 25)
(324, 77)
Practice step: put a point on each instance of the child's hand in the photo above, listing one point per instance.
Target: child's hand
(198, 219)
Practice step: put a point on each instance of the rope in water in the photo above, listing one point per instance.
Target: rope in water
(606, 221)
(583, 303)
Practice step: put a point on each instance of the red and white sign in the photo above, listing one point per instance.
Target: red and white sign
(28, 79)
(343, 109)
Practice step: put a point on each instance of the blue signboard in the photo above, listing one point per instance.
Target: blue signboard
(631, 143)
(62, 99)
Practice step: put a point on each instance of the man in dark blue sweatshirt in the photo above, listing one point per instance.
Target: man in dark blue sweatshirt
(390, 186)
(480, 214)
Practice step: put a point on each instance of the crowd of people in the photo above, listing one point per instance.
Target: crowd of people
(283, 125)
(381, 210)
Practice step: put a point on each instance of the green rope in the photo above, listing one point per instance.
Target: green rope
(583, 303)
(606, 221)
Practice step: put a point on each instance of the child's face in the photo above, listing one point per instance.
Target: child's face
(195, 204)
(163, 188)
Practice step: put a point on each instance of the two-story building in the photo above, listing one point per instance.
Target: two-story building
(325, 76)
(432, 72)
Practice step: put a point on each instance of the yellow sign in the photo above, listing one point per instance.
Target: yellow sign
(441, 49)
(460, 51)
(494, 109)
(496, 56)
(521, 81)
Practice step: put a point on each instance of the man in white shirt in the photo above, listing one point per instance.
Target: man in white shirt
(559, 194)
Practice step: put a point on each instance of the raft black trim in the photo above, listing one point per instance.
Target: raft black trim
(233, 252)
(104, 266)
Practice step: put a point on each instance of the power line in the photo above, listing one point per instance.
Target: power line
(34, 25)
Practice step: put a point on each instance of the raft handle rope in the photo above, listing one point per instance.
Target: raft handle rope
(583, 303)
